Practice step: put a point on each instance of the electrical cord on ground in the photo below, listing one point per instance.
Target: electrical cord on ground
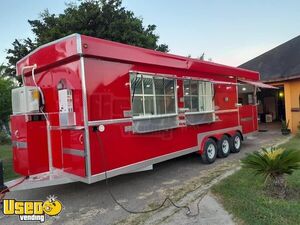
(4, 191)
(188, 210)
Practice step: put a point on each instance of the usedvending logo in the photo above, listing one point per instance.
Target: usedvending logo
(32, 210)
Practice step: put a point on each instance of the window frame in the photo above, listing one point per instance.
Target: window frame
(154, 95)
(200, 96)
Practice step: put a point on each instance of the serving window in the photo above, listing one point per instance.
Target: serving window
(152, 96)
(198, 96)
(198, 99)
(246, 94)
(154, 104)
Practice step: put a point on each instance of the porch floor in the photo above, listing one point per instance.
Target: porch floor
(266, 127)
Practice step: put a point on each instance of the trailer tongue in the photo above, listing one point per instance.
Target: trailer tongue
(145, 106)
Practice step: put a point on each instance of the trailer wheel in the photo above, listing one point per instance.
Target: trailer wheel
(210, 151)
(236, 143)
(224, 147)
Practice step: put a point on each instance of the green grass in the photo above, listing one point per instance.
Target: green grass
(6, 157)
(243, 195)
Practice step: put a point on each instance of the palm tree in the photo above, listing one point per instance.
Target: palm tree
(273, 164)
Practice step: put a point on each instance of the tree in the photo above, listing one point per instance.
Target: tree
(105, 19)
(6, 85)
(20, 49)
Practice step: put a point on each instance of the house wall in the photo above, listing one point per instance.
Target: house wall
(292, 102)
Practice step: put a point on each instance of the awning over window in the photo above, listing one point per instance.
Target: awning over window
(258, 84)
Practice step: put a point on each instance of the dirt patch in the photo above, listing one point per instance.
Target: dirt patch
(292, 194)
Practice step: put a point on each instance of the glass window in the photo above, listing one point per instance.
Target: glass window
(170, 104)
(198, 95)
(169, 86)
(148, 85)
(154, 96)
(149, 105)
(191, 95)
(136, 83)
(246, 94)
(195, 103)
(186, 85)
(159, 86)
(138, 108)
(160, 105)
(206, 96)
(187, 102)
(194, 87)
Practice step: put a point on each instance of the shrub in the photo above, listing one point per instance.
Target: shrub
(273, 164)
(4, 138)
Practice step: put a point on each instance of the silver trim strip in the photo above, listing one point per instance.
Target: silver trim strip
(154, 116)
(142, 164)
(184, 77)
(79, 44)
(127, 120)
(19, 144)
(67, 128)
(249, 118)
(198, 112)
(111, 121)
(71, 151)
(237, 102)
(85, 113)
(154, 74)
(226, 111)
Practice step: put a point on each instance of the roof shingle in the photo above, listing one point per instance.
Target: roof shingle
(280, 63)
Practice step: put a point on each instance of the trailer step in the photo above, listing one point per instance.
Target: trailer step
(56, 177)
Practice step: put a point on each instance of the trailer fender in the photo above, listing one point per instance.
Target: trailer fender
(202, 138)
(240, 134)
(201, 150)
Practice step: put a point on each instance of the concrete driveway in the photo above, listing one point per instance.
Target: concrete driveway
(91, 204)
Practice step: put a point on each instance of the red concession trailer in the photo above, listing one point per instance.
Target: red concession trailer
(90, 106)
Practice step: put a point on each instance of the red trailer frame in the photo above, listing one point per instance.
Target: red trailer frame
(131, 108)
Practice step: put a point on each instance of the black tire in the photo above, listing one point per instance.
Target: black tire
(209, 154)
(236, 143)
(224, 147)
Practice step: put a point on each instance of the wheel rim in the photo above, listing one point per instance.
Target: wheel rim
(211, 151)
(225, 146)
(237, 142)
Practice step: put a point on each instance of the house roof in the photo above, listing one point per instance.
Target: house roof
(278, 64)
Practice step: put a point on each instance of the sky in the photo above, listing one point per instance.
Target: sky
(230, 32)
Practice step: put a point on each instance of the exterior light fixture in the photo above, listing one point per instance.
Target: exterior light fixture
(244, 89)
(281, 94)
